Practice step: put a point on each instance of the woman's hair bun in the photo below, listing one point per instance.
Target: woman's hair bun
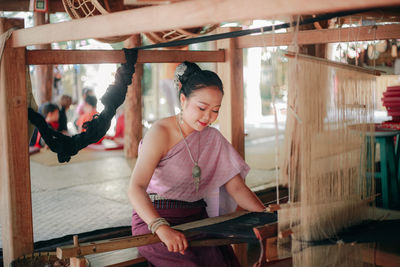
(183, 72)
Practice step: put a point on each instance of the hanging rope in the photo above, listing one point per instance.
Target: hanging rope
(67, 146)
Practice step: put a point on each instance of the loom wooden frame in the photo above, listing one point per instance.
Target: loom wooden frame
(16, 198)
(42, 57)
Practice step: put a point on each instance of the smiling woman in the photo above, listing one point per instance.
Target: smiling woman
(186, 171)
(199, 107)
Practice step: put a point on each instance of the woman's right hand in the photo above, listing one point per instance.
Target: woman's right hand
(174, 240)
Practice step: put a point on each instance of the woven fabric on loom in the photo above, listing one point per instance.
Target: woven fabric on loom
(330, 110)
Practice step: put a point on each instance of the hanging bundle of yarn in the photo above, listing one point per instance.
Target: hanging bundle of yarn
(324, 157)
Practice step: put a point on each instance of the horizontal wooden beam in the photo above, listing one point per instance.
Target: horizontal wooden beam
(42, 57)
(130, 242)
(334, 64)
(365, 33)
(106, 245)
(379, 257)
(148, 2)
(183, 14)
(139, 240)
(389, 14)
(23, 5)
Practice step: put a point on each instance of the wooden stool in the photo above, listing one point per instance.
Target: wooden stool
(388, 164)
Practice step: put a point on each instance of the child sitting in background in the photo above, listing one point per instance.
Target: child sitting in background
(65, 103)
(89, 108)
(51, 115)
(118, 136)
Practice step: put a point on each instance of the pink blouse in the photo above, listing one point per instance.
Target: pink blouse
(219, 162)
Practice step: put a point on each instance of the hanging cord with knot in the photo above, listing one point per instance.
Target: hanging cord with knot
(67, 146)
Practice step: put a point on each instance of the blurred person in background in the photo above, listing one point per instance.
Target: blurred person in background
(51, 113)
(89, 110)
(65, 103)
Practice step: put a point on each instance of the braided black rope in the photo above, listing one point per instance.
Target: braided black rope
(67, 146)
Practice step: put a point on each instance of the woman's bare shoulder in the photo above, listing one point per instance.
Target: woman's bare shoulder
(163, 127)
(160, 134)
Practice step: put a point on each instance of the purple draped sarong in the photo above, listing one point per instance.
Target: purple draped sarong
(159, 256)
(172, 179)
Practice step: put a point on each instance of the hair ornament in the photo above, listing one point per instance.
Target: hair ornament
(180, 70)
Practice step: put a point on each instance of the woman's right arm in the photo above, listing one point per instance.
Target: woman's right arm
(154, 146)
(150, 154)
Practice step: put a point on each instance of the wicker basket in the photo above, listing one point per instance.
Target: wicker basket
(178, 34)
(40, 259)
(85, 8)
(77, 9)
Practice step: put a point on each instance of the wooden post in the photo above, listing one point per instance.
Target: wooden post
(231, 116)
(133, 106)
(266, 235)
(77, 261)
(15, 184)
(44, 73)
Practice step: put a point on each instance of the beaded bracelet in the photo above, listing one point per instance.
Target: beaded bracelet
(156, 223)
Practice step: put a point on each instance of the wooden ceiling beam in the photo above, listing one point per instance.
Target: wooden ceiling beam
(23, 5)
(42, 57)
(365, 33)
(148, 2)
(183, 14)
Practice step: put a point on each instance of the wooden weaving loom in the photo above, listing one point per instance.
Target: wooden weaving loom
(380, 230)
(238, 227)
(16, 190)
(326, 163)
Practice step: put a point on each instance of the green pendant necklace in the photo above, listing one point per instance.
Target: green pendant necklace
(196, 171)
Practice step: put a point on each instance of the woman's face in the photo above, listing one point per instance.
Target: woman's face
(201, 108)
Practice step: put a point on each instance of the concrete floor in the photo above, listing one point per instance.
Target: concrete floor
(79, 197)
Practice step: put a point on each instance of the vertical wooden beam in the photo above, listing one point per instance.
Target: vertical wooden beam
(79, 261)
(133, 106)
(231, 117)
(43, 73)
(15, 185)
